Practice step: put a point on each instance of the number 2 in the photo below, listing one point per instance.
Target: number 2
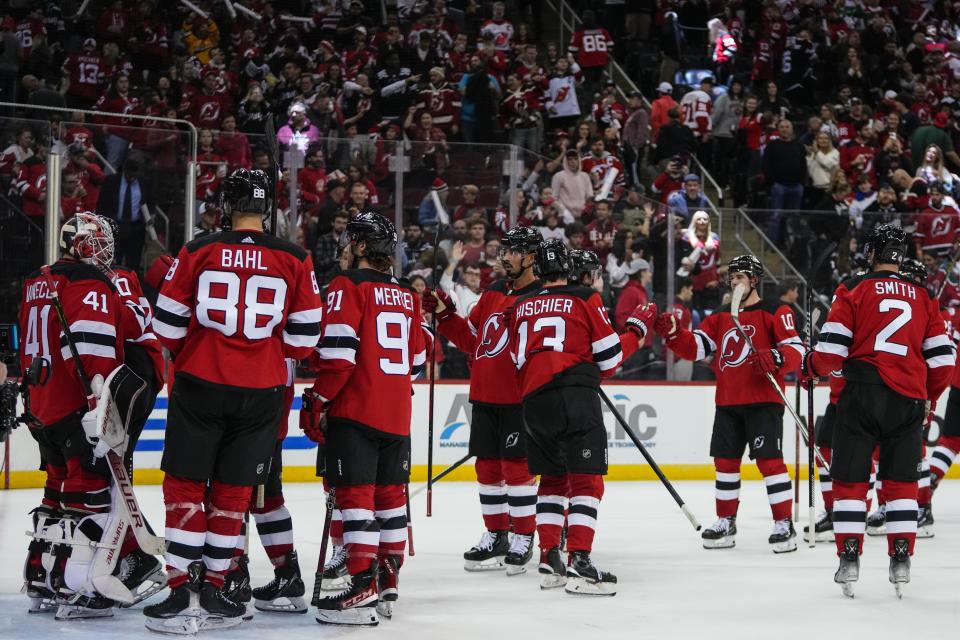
(882, 341)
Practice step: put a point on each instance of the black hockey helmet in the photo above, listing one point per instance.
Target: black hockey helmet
(553, 259)
(914, 271)
(247, 191)
(521, 239)
(887, 243)
(377, 231)
(747, 264)
(582, 262)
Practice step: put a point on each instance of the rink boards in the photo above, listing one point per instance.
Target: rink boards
(672, 420)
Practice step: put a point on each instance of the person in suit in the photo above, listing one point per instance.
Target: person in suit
(126, 199)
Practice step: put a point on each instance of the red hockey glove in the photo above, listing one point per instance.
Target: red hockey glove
(439, 302)
(666, 326)
(312, 418)
(642, 320)
(766, 361)
(807, 375)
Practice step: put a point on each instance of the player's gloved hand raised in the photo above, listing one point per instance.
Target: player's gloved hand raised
(312, 413)
(642, 320)
(766, 361)
(437, 301)
(666, 326)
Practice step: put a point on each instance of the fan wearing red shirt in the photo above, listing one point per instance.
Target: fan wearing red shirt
(886, 334)
(83, 72)
(599, 233)
(938, 225)
(749, 412)
(206, 108)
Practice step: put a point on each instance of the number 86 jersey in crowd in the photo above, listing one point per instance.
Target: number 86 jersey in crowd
(234, 305)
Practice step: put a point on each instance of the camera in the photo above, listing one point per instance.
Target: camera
(9, 390)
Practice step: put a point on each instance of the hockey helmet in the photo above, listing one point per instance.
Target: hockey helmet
(88, 238)
(747, 264)
(887, 243)
(521, 240)
(553, 259)
(914, 271)
(582, 262)
(378, 232)
(246, 191)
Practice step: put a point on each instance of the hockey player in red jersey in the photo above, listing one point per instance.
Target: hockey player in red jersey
(887, 335)
(749, 411)
(234, 305)
(508, 492)
(372, 344)
(948, 445)
(563, 344)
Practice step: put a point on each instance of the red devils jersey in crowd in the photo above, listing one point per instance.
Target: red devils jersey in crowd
(894, 328)
(205, 111)
(762, 61)
(770, 325)
(142, 350)
(94, 312)
(234, 304)
(557, 328)
(591, 47)
(599, 167)
(485, 336)
(937, 229)
(371, 350)
(120, 104)
(442, 103)
(521, 109)
(84, 73)
(31, 184)
(849, 152)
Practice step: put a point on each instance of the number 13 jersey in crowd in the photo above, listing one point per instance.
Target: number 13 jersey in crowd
(234, 305)
(882, 325)
(372, 348)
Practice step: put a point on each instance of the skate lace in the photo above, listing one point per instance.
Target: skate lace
(487, 540)
(520, 543)
(338, 557)
(880, 512)
(781, 526)
(722, 525)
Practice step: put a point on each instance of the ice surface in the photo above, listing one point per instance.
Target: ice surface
(670, 587)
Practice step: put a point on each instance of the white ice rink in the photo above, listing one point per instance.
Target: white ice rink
(670, 587)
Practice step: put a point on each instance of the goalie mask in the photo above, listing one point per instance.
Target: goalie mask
(246, 191)
(88, 238)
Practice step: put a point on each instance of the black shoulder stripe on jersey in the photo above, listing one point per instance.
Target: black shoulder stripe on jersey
(707, 348)
(835, 338)
(358, 276)
(607, 353)
(171, 319)
(302, 328)
(256, 238)
(339, 342)
(89, 338)
(933, 352)
(417, 369)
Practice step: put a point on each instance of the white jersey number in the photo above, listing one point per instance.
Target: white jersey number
(882, 341)
(218, 298)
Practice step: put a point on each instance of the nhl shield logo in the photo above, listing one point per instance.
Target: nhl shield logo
(586, 453)
(493, 337)
(733, 348)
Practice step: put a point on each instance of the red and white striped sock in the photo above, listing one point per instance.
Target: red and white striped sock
(361, 532)
(552, 504)
(225, 508)
(586, 491)
(901, 513)
(850, 512)
(275, 527)
(727, 486)
(391, 515)
(943, 455)
(186, 526)
(521, 495)
(779, 488)
(493, 494)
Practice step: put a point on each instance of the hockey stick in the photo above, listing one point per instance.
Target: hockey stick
(270, 136)
(327, 520)
(738, 292)
(406, 493)
(946, 275)
(441, 217)
(653, 463)
(441, 475)
(796, 462)
(811, 429)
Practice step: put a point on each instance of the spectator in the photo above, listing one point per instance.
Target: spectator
(498, 28)
(335, 201)
(298, 131)
(696, 106)
(201, 36)
(885, 209)
(520, 111)
(424, 56)
(429, 148)
(681, 307)
(82, 72)
(357, 174)
(891, 158)
(396, 84)
(660, 110)
(118, 99)
(465, 293)
(126, 199)
(822, 162)
(476, 242)
(599, 163)
(253, 111)
(675, 139)
(938, 225)
(428, 215)
(688, 199)
(233, 145)
(619, 258)
(469, 208)
(932, 169)
(327, 249)
(479, 104)
(442, 101)
(576, 234)
(703, 262)
(636, 136)
(671, 37)
(73, 198)
(934, 134)
(863, 197)
(600, 233)
(17, 153)
(634, 291)
(835, 222)
(859, 154)
(359, 197)
(785, 169)
(31, 181)
(670, 180)
(725, 120)
(592, 46)
(571, 186)
(414, 243)
(208, 221)
(551, 226)
(562, 103)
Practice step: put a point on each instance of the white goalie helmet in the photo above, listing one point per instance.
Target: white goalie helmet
(88, 238)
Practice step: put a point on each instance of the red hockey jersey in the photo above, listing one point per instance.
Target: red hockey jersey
(937, 229)
(591, 47)
(94, 312)
(234, 305)
(485, 336)
(894, 328)
(84, 72)
(769, 324)
(371, 350)
(142, 351)
(555, 329)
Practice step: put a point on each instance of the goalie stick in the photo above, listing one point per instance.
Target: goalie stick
(735, 301)
(811, 429)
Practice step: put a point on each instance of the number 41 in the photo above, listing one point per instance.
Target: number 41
(96, 300)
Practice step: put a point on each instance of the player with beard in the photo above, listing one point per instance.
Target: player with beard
(749, 411)
(508, 492)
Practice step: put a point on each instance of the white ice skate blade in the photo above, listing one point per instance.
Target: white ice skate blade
(214, 623)
(552, 581)
(490, 564)
(355, 617)
(785, 547)
(584, 587)
(385, 608)
(334, 584)
(516, 569)
(899, 589)
(76, 612)
(283, 604)
(42, 605)
(726, 542)
(185, 624)
(153, 583)
(847, 588)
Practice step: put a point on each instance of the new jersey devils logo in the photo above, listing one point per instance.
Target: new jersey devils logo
(209, 111)
(940, 226)
(733, 348)
(493, 337)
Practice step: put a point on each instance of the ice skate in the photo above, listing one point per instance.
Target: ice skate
(236, 586)
(283, 594)
(179, 614)
(521, 550)
(220, 612)
(877, 521)
(356, 605)
(900, 565)
(925, 521)
(584, 577)
(489, 553)
(388, 579)
(335, 576)
(849, 570)
(553, 571)
(823, 529)
(42, 599)
(783, 539)
(85, 607)
(142, 574)
(721, 534)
